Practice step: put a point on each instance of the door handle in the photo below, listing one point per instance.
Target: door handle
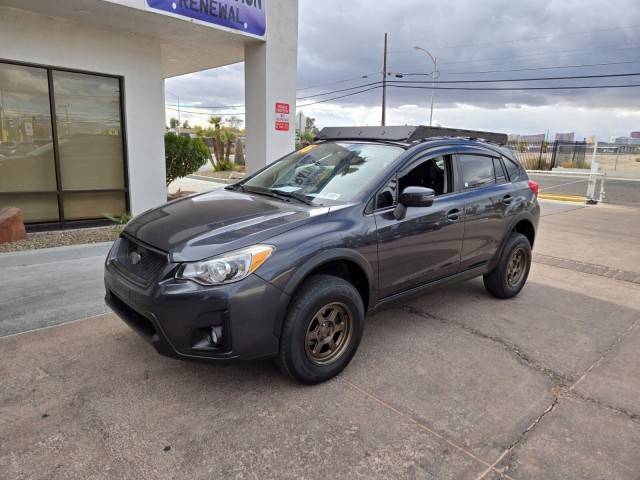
(454, 214)
(507, 199)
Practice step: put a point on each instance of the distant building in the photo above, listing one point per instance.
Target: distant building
(538, 138)
(620, 140)
(301, 122)
(565, 137)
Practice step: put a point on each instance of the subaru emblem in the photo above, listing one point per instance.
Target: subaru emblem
(135, 258)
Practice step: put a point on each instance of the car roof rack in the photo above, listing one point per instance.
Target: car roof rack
(406, 134)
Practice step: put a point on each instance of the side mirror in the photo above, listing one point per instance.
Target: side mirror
(413, 197)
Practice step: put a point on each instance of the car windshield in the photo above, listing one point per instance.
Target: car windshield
(336, 172)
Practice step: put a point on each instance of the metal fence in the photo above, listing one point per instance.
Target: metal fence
(549, 155)
(577, 155)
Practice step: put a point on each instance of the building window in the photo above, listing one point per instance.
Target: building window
(68, 168)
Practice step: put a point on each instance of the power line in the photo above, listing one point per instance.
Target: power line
(366, 75)
(544, 54)
(208, 114)
(551, 35)
(525, 69)
(500, 80)
(538, 79)
(573, 87)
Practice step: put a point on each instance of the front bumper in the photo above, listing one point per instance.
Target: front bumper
(175, 315)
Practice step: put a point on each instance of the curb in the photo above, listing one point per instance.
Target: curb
(54, 254)
(214, 180)
(562, 198)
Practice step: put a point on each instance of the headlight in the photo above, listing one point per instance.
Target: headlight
(227, 268)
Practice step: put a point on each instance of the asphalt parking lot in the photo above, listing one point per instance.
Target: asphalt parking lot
(454, 384)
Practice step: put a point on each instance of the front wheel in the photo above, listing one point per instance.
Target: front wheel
(322, 329)
(510, 275)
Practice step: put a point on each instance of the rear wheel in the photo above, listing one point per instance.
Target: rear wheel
(510, 275)
(322, 329)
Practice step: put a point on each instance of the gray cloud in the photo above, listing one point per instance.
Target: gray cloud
(339, 39)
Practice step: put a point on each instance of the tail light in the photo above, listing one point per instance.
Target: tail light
(534, 186)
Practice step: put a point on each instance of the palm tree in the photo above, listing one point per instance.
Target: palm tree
(218, 147)
(307, 138)
(228, 138)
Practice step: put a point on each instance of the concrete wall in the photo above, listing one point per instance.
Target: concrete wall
(34, 38)
(270, 77)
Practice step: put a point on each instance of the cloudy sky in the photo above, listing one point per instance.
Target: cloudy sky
(489, 40)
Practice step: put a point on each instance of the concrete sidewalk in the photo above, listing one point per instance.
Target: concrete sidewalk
(454, 385)
(39, 288)
(451, 385)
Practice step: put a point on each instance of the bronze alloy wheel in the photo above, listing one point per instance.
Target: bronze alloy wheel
(328, 334)
(516, 266)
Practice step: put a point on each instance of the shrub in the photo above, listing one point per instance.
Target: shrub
(223, 165)
(183, 155)
(120, 221)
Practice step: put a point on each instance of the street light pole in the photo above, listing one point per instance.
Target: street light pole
(433, 79)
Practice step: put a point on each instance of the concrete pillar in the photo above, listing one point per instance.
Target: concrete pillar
(270, 78)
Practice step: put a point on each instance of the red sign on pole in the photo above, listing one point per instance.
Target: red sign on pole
(282, 116)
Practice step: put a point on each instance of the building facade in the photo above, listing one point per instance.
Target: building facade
(82, 114)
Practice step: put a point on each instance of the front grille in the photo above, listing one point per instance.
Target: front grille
(137, 262)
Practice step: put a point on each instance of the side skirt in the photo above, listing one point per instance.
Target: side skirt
(428, 287)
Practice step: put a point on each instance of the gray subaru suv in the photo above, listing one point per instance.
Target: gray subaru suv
(288, 262)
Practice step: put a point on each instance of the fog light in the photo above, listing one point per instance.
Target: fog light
(215, 336)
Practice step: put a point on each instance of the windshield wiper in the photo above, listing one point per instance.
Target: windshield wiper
(264, 191)
(298, 196)
(275, 193)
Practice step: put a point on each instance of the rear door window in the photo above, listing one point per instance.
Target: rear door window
(477, 171)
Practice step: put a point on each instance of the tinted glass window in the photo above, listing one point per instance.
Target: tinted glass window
(327, 172)
(432, 173)
(477, 171)
(501, 177)
(387, 196)
(512, 168)
(26, 152)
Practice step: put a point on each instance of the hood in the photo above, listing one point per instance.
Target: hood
(216, 222)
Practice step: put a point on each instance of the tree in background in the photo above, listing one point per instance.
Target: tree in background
(185, 124)
(183, 155)
(173, 122)
(239, 153)
(228, 139)
(235, 122)
(310, 126)
(218, 148)
(307, 138)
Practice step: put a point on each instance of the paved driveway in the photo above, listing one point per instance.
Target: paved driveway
(454, 384)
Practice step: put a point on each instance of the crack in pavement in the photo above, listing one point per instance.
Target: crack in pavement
(521, 357)
(564, 386)
(634, 417)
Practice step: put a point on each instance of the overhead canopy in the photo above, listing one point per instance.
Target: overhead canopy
(186, 46)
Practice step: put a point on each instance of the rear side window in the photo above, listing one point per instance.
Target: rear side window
(477, 171)
(501, 176)
(513, 169)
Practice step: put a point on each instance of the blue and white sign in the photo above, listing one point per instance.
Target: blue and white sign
(244, 15)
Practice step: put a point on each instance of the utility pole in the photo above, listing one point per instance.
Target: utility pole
(384, 83)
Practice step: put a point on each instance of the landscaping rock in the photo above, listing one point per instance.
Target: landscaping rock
(11, 225)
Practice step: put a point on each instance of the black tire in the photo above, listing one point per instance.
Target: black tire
(296, 358)
(500, 282)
